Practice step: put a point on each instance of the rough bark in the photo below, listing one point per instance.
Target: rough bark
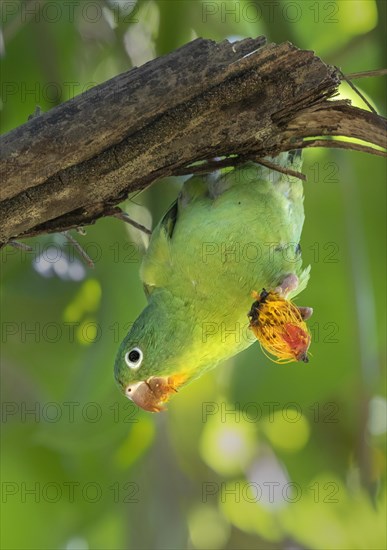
(75, 163)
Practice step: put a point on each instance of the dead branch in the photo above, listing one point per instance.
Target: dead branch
(75, 163)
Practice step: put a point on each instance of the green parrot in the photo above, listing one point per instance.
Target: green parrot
(227, 235)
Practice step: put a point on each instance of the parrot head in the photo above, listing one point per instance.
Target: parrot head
(140, 370)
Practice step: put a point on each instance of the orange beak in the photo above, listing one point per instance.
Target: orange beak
(152, 394)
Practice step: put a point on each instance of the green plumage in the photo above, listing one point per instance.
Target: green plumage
(227, 235)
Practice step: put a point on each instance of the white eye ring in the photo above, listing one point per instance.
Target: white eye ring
(133, 358)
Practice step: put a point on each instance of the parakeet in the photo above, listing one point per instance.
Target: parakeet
(230, 238)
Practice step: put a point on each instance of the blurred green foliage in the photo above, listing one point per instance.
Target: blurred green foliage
(252, 455)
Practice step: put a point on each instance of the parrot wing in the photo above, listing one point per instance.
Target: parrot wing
(157, 264)
(158, 253)
(208, 209)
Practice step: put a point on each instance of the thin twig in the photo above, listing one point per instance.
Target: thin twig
(208, 166)
(213, 165)
(126, 218)
(20, 246)
(341, 145)
(358, 92)
(364, 74)
(282, 170)
(79, 249)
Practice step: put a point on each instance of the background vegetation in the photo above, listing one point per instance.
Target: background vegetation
(253, 455)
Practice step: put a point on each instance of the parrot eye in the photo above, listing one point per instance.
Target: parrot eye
(134, 358)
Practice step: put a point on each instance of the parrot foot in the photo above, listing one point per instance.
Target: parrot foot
(289, 284)
(306, 312)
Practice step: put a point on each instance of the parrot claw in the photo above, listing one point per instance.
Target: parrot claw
(289, 284)
(306, 312)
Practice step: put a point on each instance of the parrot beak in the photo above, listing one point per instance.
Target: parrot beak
(152, 394)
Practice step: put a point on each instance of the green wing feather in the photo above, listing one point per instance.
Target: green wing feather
(157, 263)
(226, 210)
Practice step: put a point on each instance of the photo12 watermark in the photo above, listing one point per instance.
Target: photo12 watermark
(270, 12)
(269, 252)
(269, 411)
(270, 491)
(51, 253)
(52, 492)
(326, 332)
(70, 11)
(52, 332)
(69, 412)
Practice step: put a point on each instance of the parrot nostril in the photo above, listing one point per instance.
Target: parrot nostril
(132, 389)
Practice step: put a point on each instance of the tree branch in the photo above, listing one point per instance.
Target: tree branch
(75, 163)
